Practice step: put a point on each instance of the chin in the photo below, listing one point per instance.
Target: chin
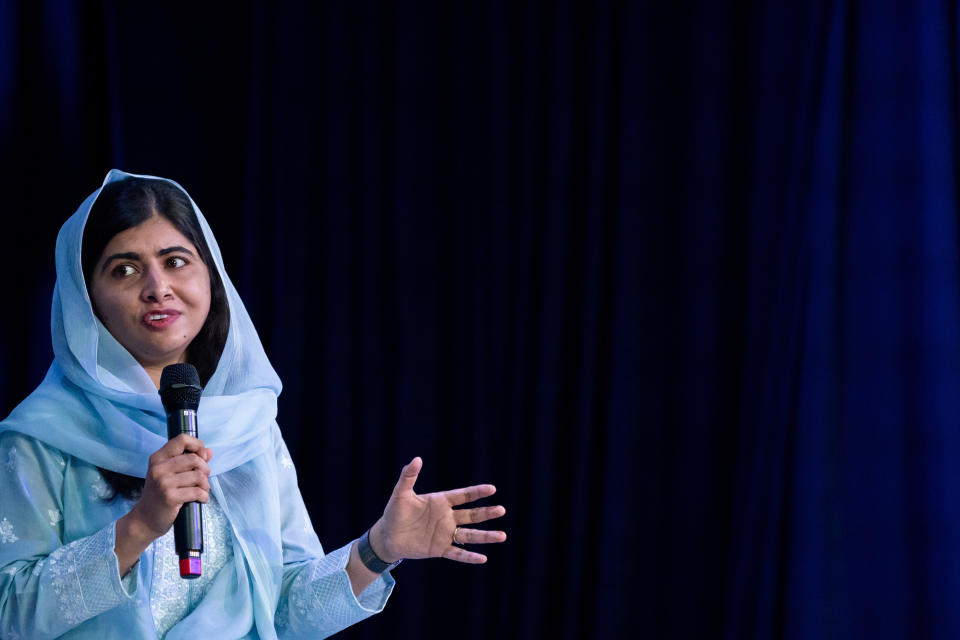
(163, 358)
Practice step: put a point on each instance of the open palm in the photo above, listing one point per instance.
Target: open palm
(423, 526)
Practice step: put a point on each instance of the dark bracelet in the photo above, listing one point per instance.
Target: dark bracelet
(369, 558)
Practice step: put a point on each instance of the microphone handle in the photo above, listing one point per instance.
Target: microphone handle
(188, 527)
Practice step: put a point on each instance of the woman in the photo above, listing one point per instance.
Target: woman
(89, 485)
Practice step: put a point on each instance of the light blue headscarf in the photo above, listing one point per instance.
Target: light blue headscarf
(98, 404)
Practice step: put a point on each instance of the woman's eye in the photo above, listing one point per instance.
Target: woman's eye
(176, 262)
(123, 270)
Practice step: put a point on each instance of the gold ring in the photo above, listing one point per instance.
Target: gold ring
(455, 541)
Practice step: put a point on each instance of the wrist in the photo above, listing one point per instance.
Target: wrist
(369, 558)
(380, 543)
(131, 539)
(133, 532)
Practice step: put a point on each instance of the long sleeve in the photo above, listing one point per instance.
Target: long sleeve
(316, 598)
(49, 584)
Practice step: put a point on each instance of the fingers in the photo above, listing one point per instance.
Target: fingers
(462, 555)
(184, 462)
(479, 536)
(479, 514)
(177, 446)
(168, 482)
(408, 476)
(179, 471)
(178, 497)
(469, 494)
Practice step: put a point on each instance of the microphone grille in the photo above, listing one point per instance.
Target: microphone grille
(180, 387)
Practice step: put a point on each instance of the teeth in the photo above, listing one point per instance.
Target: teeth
(159, 316)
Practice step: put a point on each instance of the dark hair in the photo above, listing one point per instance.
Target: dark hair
(124, 204)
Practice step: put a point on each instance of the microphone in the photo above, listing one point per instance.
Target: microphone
(180, 394)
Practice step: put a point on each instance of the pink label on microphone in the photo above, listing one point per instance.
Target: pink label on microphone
(190, 568)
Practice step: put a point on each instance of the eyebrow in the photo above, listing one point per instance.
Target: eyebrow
(130, 255)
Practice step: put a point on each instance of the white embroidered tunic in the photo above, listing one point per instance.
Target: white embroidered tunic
(172, 597)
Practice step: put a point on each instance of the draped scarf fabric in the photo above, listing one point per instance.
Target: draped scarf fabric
(97, 403)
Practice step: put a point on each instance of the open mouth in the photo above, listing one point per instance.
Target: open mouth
(160, 319)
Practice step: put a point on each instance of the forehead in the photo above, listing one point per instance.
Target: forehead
(147, 238)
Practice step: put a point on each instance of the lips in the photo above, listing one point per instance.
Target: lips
(159, 319)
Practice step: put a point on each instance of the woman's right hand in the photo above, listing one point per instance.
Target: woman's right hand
(177, 474)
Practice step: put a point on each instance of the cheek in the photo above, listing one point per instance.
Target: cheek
(203, 296)
(200, 299)
(104, 306)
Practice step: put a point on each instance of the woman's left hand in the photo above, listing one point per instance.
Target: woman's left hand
(423, 526)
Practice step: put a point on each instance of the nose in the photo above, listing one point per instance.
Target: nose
(156, 287)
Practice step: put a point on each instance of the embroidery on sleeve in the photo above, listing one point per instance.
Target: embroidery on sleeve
(302, 601)
(55, 517)
(6, 532)
(62, 565)
(12, 460)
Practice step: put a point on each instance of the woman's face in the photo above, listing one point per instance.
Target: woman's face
(152, 291)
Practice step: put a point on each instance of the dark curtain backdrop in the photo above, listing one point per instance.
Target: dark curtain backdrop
(680, 279)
